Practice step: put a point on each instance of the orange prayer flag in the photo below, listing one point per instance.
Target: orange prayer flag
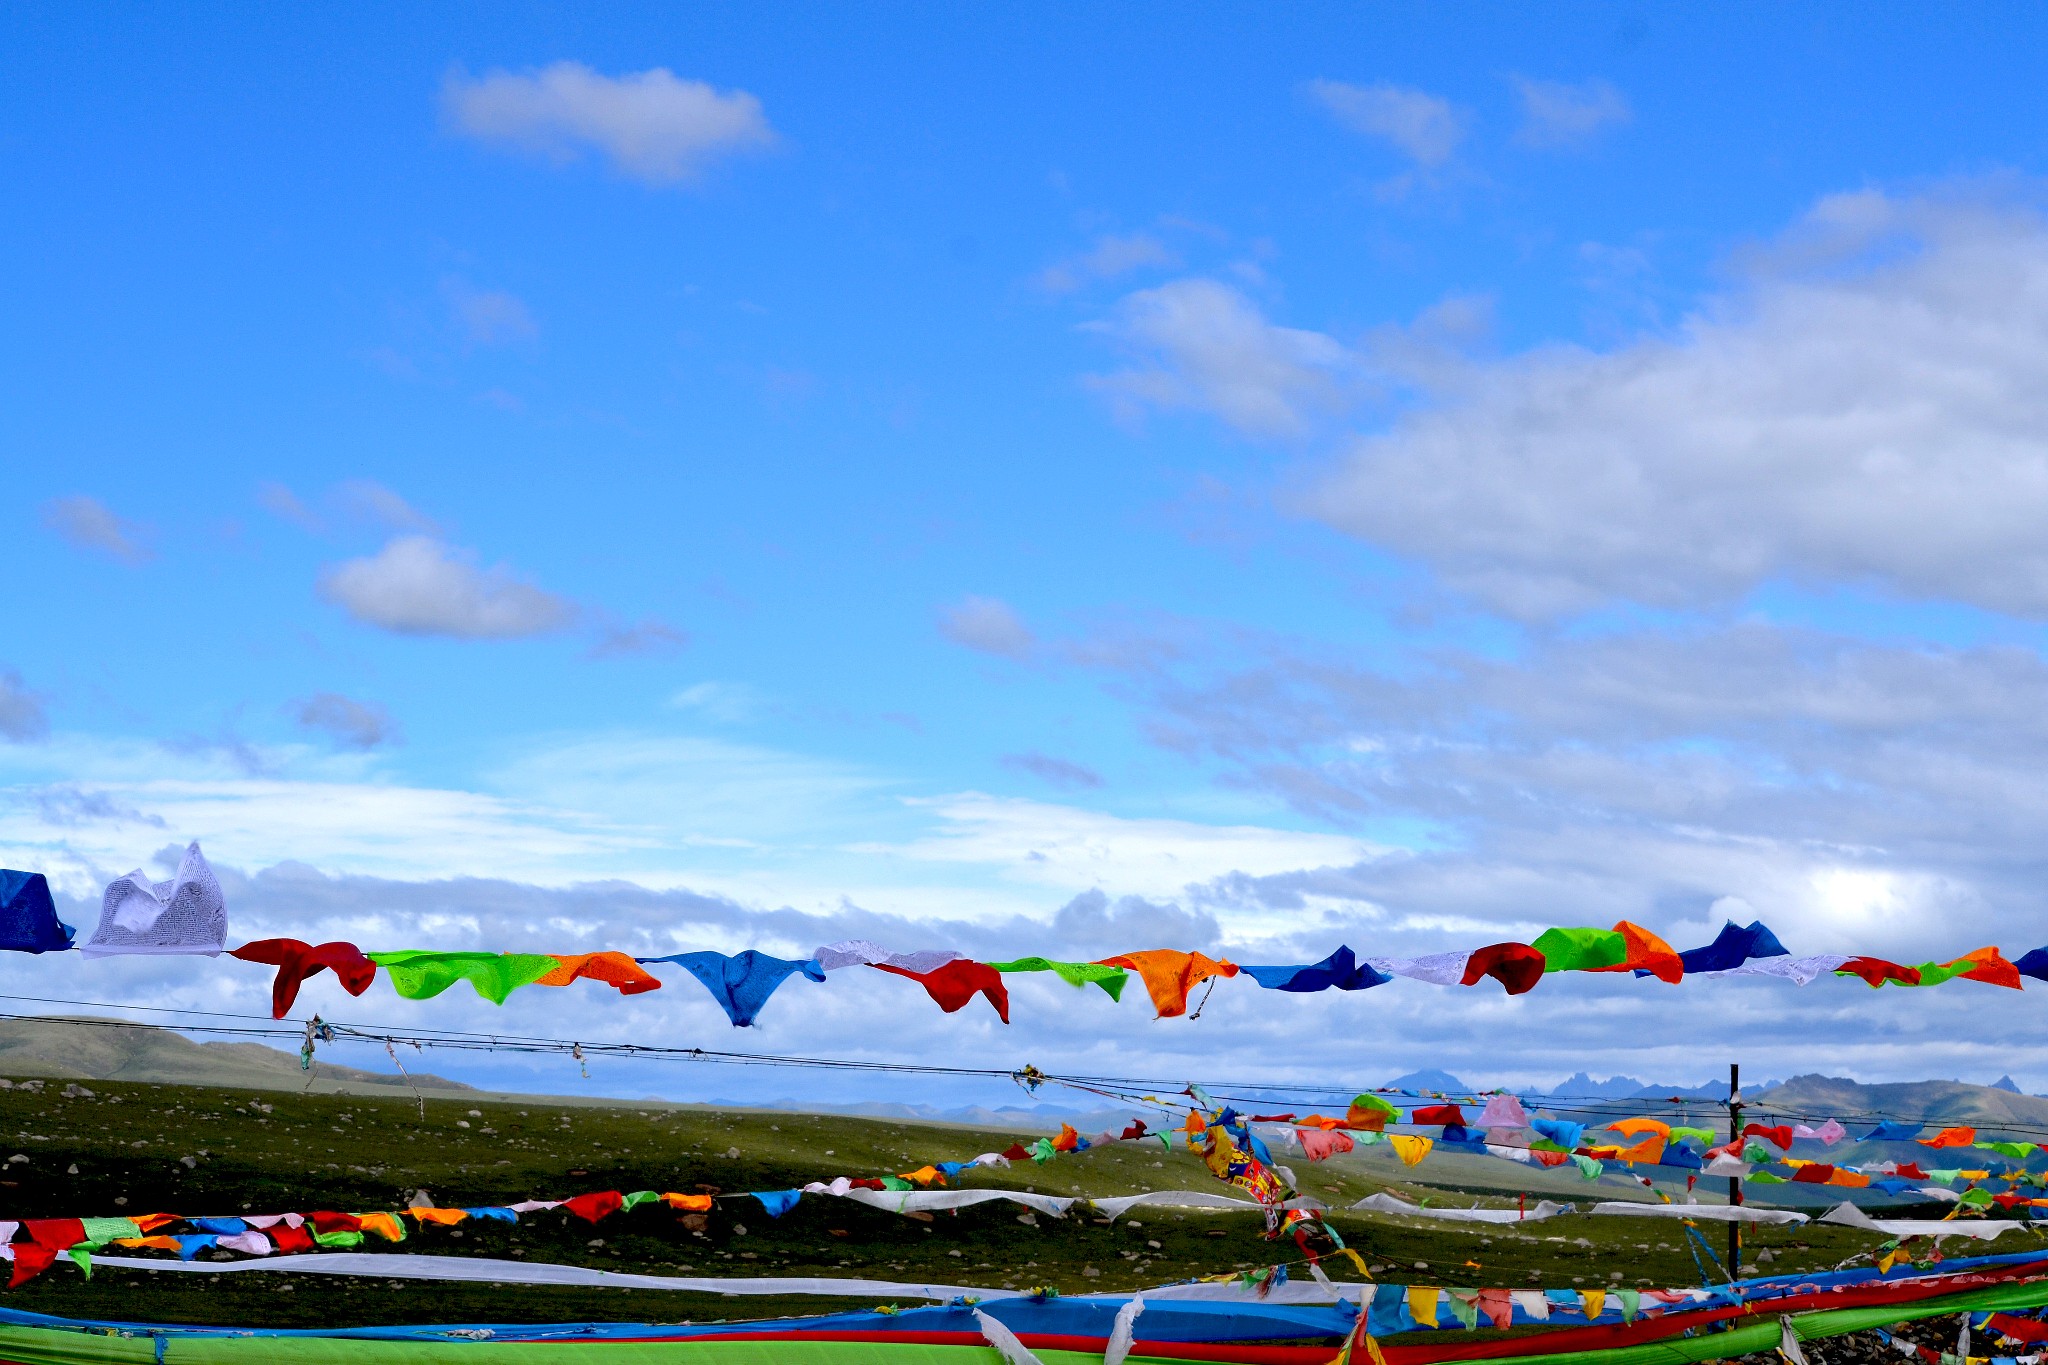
(612, 968)
(1169, 975)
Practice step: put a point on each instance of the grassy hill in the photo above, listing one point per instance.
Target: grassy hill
(259, 1139)
(113, 1050)
(122, 1150)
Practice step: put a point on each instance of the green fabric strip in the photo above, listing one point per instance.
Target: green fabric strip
(339, 1239)
(1111, 979)
(107, 1229)
(639, 1197)
(424, 975)
(1761, 1333)
(1576, 950)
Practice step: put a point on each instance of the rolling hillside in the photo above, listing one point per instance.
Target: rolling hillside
(116, 1051)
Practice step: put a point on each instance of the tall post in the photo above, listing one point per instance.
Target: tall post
(1735, 1182)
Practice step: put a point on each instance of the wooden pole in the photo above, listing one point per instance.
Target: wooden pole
(1735, 1182)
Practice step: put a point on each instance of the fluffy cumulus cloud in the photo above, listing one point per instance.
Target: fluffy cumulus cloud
(90, 524)
(417, 585)
(1558, 114)
(652, 126)
(1866, 409)
(1849, 792)
(987, 624)
(350, 723)
(1201, 345)
(1423, 127)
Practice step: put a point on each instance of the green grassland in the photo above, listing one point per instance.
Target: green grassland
(272, 1151)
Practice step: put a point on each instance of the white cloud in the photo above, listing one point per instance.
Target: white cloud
(987, 624)
(1867, 410)
(1423, 127)
(651, 125)
(1557, 114)
(22, 717)
(489, 317)
(1067, 847)
(1110, 257)
(417, 585)
(355, 724)
(1204, 346)
(90, 524)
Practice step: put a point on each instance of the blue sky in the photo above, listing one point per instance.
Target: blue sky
(1039, 481)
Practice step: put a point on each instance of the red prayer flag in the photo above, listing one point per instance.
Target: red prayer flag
(591, 1207)
(290, 1239)
(1517, 966)
(952, 984)
(55, 1233)
(1876, 971)
(296, 960)
(30, 1260)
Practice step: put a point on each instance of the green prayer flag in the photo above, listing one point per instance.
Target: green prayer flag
(423, 975)
(638, 1197)
(1578, 950)
(338, 1239)
(99, 1231)
(1111, 979)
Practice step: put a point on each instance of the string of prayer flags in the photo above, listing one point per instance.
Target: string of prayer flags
(28, 916)
(1986, 964)
(296, 960)
(742, 982)
(187, 915)
(1076, 974)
